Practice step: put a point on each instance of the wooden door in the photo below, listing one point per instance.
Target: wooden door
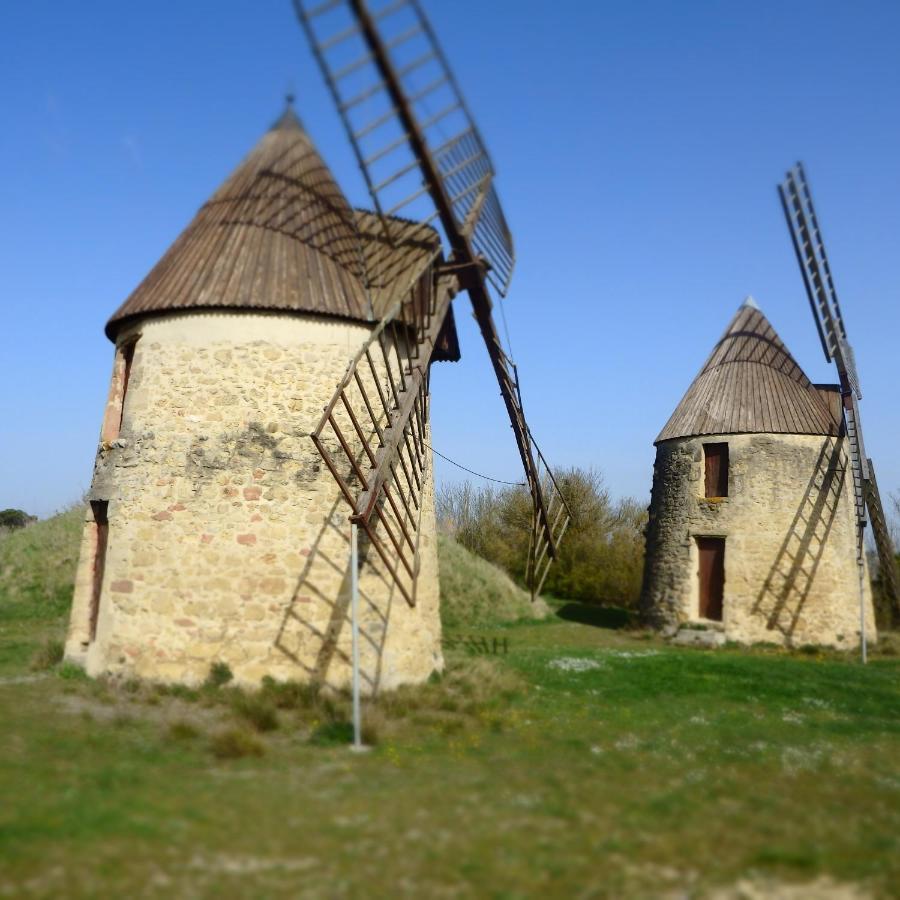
(712, 576)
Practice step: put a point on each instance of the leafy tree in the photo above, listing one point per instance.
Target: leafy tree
(601, 558)
(12, 519)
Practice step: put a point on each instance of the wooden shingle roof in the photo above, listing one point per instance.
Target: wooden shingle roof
(752, 384)
(280, 235)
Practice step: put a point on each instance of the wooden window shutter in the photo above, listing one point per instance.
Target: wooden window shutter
(716, 461)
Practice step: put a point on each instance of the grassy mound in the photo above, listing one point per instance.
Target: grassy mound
(37, 566)
(475, 592)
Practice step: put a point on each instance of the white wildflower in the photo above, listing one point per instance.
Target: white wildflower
(574, 664)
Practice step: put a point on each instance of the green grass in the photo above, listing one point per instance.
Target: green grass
(589, 760)
(37, 567)
(637, 769)
(476, 592)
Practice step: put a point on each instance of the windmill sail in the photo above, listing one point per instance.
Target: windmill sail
(796, 200)
(373, 433)
(421, 154)
(406, 119)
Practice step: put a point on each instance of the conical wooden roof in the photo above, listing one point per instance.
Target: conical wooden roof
(751, 383)
(278, 235)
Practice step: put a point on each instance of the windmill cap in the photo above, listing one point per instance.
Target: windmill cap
(751, 384)
(279, 235)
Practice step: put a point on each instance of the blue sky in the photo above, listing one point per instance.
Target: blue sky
(638, 146)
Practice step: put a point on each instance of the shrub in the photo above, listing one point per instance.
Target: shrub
(601, 559)
(13, 519)
(257, 710)
(71, 672)
(182, 731)
(219, 674)
(330, 733)
(181, 691)
(47, 656)
(291, 694)
(233, 743)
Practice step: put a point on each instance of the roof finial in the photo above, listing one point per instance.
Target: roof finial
(288, 118)
(749, 301)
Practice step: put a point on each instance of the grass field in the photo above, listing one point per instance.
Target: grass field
(586, 762)
(580, 760)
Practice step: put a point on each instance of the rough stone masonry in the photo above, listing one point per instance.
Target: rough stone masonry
(790, 538)
(228, 540)
(753, 504)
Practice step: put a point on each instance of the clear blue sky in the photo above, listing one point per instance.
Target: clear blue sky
(638, 146)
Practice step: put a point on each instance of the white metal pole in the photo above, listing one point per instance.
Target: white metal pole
(862, 608)
(354, 631)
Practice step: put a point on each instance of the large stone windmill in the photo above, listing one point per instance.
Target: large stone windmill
(217, 528)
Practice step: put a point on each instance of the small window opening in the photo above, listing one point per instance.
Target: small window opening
(115, 408)
(711, 575)
(99, 508)
(716, 461)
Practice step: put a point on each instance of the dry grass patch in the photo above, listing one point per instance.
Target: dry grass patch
(234, 743)
(48, 655)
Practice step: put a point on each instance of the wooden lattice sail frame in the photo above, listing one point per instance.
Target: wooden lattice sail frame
(421, 155)
(803, 224)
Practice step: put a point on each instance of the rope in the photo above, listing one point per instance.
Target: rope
(505, 325)
(472, 471)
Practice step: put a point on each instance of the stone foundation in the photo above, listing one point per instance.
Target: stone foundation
(790, 540)
(228, 538)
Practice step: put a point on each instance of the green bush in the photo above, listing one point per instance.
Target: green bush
(601, 558)
(182, 731)
(257, 710)
(219, 675)
(291, 694)
(15, 518)
(71, 672)
(331, 733)
(48, 655)
(233, 743)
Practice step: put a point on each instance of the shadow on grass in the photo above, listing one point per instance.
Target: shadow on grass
(612, 617)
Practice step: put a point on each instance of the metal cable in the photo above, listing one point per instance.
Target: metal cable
(472, 471)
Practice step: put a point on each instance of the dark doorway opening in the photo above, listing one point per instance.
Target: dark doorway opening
(127, 359)
(99, 508)
(711, 572)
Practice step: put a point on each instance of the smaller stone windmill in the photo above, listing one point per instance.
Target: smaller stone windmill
(752, 528)
(761, 486)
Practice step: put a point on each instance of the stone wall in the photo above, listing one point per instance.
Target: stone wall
(228, 536)
(790, 540)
